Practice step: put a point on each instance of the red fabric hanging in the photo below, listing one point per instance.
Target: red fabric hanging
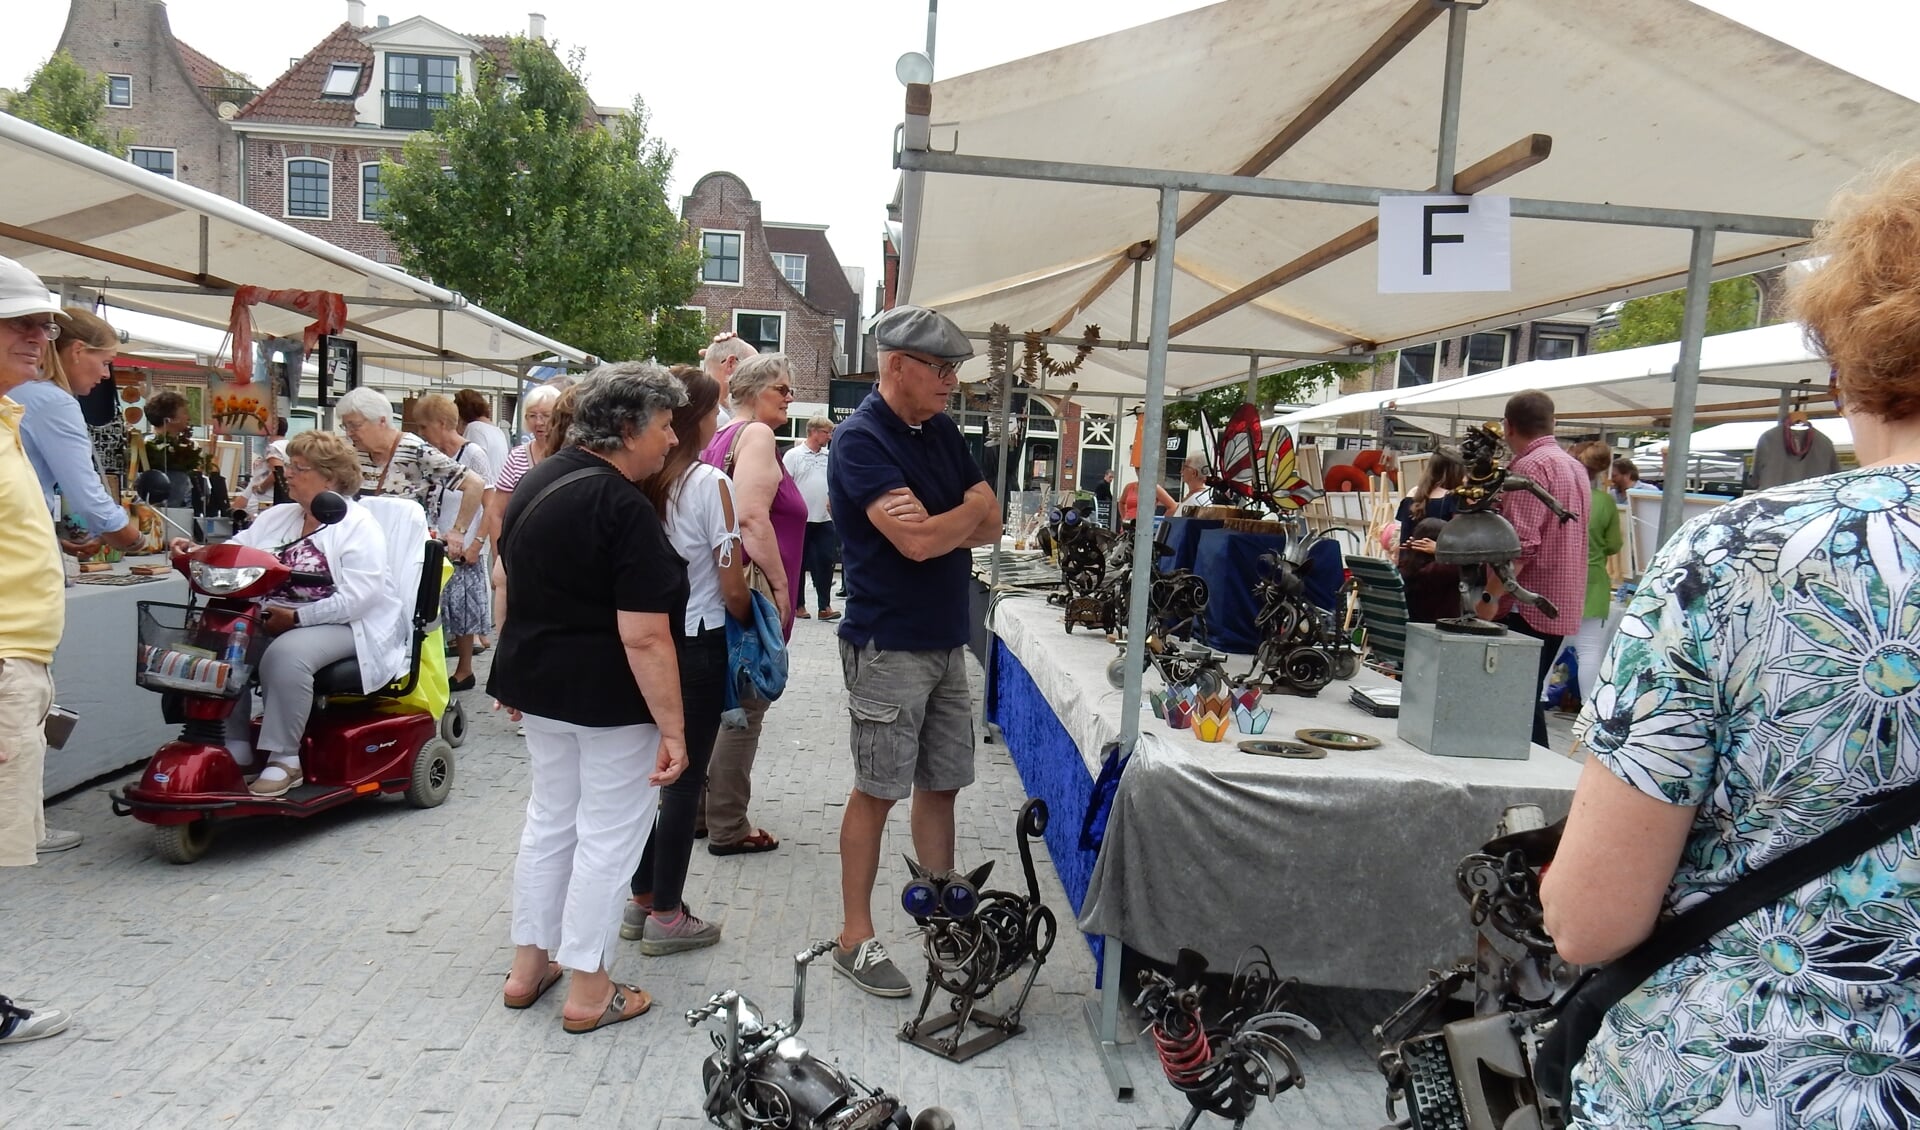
(329, 311)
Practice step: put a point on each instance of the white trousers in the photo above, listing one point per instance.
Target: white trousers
(587, 821)
(1589, 647)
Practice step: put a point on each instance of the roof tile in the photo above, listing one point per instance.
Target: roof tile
(295, 96)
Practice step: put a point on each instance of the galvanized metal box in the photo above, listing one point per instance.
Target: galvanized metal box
(1469, 696)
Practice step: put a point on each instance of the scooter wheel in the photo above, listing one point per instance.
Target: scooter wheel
(183, 843)
(453, 724)
(432, 775)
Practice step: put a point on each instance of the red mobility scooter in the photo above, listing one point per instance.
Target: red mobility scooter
(203, 657)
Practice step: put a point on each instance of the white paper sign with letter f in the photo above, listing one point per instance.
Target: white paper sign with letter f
(1435, 244)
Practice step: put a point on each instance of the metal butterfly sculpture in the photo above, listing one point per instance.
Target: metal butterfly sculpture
(1247, 471)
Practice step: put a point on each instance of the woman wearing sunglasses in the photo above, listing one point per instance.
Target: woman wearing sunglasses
(773, 529)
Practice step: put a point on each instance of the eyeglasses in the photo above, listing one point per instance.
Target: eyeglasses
(1833, 390)
(26, 324)
(353, 426)
(941, 369)
(785, 392)
(299, 469)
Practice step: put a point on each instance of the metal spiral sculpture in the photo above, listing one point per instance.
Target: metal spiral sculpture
(974, 940)
(1225, 1067)
(1301, 648)
(760, 1077)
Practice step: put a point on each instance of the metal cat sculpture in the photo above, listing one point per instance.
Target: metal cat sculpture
(1301, 648)
(1479, 540)
(976, 939)
(1457, 1065)
(1226, 1066)
(761, 1077)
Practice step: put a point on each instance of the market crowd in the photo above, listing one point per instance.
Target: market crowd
(1762, 687)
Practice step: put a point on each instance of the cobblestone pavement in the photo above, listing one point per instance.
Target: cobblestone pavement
(345, 971)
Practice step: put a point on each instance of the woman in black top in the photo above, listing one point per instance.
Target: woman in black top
(1433, 498)
(1433, 589)
(587, 663)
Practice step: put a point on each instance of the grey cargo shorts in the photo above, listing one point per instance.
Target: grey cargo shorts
(912, 720)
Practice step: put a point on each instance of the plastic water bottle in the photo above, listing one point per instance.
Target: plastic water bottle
(236, 656)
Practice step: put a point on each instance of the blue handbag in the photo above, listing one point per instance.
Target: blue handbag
(756, 660)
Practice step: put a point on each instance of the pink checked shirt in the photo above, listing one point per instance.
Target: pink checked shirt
(1553, 554)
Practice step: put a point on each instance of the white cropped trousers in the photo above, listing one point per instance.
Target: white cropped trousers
(588, 818)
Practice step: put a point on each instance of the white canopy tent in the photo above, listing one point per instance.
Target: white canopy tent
(85, 221)
(1745, 435)
(1321, 89)
(1743, 372)
(1033, 191)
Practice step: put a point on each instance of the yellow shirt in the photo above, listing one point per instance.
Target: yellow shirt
(33, 599)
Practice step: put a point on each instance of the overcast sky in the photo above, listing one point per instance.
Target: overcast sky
(800, 98)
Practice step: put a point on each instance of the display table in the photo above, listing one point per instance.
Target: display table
(119, 723)
(1182, 535)
(1229, 561)
(1341, 867)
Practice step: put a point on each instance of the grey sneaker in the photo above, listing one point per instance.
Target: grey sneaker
(633, 919)
(19, 1025)
(869, 967)
(687, 933)
(57, 840)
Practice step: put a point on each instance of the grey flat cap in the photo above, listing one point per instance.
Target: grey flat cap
(916, 329)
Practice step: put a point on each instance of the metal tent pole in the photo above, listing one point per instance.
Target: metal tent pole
(1106, 1026)
(1686, 382)
(993, 568)
(1450, 96)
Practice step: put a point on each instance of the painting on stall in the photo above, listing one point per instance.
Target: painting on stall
(239, 409)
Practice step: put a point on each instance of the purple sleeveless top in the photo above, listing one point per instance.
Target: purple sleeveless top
(789, 510)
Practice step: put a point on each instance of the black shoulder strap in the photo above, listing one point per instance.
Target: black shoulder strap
(546, 491)
(1890, 814)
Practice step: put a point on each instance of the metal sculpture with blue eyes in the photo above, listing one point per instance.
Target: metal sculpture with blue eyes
(974, 940)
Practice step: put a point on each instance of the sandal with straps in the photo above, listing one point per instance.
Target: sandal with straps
(758, 840)
(627, 1002)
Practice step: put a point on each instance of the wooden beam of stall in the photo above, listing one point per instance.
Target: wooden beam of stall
(1394, 40)
(1135, 253)
(1522, 155)
(74, 247)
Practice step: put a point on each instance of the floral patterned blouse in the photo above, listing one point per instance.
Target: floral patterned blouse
(1768, 672)
(417, 470)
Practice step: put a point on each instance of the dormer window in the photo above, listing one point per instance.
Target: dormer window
(342, 81)
(418, 87)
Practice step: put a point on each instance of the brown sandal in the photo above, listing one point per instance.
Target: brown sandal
(758, 841)
(627, 1002)
(528, 1000)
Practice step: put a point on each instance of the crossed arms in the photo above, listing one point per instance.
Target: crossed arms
(903, 520)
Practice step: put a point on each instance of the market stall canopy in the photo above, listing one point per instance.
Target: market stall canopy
(75, 216)
(1652, 103)
(1741, 373)
(1745, 436)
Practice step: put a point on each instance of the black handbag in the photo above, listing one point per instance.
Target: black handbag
(1579, 1013)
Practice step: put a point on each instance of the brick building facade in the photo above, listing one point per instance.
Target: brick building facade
(743, 290)
(169, 95)
(310, 144)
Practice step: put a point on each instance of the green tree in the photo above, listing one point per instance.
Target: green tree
(65, 97)
(519, 199)
(1732, 304)
(679, 336)
(1288, 387)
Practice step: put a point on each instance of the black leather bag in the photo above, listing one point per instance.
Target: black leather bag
(1579, 1013)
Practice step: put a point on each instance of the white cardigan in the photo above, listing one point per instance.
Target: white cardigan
(364, 593)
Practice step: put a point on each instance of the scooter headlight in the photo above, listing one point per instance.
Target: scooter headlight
(215, 581)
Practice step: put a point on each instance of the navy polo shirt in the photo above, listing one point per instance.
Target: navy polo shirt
(898, 603)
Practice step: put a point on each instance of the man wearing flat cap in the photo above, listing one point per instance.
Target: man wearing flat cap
(909, 502)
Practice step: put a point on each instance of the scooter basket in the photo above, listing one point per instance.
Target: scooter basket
(178, 651)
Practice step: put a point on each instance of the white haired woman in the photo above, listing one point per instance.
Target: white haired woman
(465, 604)
(402, 465)
(588, 663)
(773, 530)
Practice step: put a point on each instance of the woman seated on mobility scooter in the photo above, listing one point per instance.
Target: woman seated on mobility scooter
(355, 616)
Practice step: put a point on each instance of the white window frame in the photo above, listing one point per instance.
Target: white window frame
(1579, 343)
(840, 341)
(353, 86)
(119, 105)
(173, 155)
(286, 188)
(780, 259)
(704, 280)
(364, 166)
(734, 325)
(1466, 352)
